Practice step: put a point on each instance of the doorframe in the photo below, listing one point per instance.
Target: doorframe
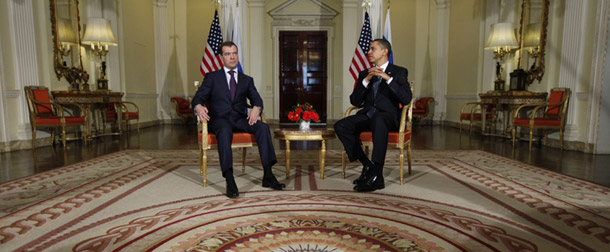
(276, 64)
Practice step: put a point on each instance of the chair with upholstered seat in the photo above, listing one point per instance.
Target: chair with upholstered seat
(400, 139)
(472, 112)
(422, 108)
(553, 116)
(112, 114)
(45, 112)
(183, 108)
(208, 140)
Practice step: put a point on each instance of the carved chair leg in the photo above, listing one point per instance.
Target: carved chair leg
(402, 163)
(63, 136)
(243, 162)
(561, 139)
(409, 156)
(531, 137)
(514, 132)
(34, 137)
(343, 161)
(204, 166)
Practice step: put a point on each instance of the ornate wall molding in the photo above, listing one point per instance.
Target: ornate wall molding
(442, 59)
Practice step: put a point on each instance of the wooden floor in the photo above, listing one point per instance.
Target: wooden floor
(18, 164)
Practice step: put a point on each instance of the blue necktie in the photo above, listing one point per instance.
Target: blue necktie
(375, 82)
(232, 85)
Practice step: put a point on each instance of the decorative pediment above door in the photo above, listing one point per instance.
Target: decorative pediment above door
(303, 13)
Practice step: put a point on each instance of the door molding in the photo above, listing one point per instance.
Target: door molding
(286, 18)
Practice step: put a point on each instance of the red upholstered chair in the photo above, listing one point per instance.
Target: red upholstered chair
(111, 114)
(553, 115)
(45, 112)
(422, 107)
(472, 112)
(183, 108)
(400, 139)
(208, 140)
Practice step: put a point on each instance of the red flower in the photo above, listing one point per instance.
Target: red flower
(303, 112)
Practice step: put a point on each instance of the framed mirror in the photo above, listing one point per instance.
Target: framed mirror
(65, 29)
(532, 42)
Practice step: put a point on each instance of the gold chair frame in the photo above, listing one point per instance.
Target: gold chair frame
(406, 119)
(475, 109)
(563, 107)
(57, 110)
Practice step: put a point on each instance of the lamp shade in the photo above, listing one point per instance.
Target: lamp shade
(98, 31)
(501, 35)
(532, 35)
(65, 33)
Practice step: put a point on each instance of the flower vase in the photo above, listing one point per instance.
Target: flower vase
(304, 125)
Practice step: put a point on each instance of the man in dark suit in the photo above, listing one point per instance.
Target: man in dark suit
(379, 92)
(221, 99)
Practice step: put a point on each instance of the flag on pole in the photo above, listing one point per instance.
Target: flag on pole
(236, 36)
(387, 34)
(211, 56)
(360, 61)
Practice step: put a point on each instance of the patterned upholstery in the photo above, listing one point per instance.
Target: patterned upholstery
(400, 139)
(553, 116)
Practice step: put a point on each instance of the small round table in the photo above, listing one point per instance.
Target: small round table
(305, 135)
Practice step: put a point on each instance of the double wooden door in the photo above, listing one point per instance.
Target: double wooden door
(302, 71)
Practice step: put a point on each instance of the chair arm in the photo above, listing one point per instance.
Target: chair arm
(534, 105)
(82, 108)
(406, 115)
(473, 104)
(349, 110)
(202, 126)
(126, 109)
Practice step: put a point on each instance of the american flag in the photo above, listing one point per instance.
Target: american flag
(359, 61)
(211, 57)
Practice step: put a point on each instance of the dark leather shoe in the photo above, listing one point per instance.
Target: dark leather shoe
(371, 184)
(232, 191)
(362, 178)
(271, 182)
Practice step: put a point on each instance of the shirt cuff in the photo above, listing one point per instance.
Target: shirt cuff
(365, 83)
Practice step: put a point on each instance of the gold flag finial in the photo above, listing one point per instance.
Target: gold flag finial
(216, 3)
(367, 4)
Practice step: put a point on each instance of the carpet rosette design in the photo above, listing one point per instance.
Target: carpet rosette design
(154, 201)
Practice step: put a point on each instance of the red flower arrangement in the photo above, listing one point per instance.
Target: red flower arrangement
(303, 112)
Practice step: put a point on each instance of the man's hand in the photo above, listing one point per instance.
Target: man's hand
(202, 112)
(377, 71)
(254, 114)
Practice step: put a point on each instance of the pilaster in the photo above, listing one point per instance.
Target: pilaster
(257, 41)
(442, 58)
(21, 22)
(162, 57)
(570, 68)
(351, 25)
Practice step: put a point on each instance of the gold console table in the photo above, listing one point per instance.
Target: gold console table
(90, 100)
(508, 101)
(305, 135)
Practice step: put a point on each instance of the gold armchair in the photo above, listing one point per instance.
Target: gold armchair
(45, 112)
(473, 113)
(208, 140)
(553, 115)
(400, 139)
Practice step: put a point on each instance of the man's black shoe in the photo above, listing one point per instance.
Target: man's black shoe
(362, 178)
(232, 191)
(372, 183)
(271, 182)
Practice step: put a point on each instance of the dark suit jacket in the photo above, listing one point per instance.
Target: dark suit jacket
(388, 96)
(214, 92)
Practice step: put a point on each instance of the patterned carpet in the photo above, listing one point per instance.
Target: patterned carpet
(154, 201)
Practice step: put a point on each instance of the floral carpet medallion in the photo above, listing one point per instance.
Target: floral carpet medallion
(141, 200)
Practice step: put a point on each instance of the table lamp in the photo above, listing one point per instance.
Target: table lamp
(502, 41)
(98, 34)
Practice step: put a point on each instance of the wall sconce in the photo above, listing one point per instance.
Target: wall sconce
(98, 34)
(502, 41)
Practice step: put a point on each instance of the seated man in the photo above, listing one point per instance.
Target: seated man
(379, 92)
(226, 97)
